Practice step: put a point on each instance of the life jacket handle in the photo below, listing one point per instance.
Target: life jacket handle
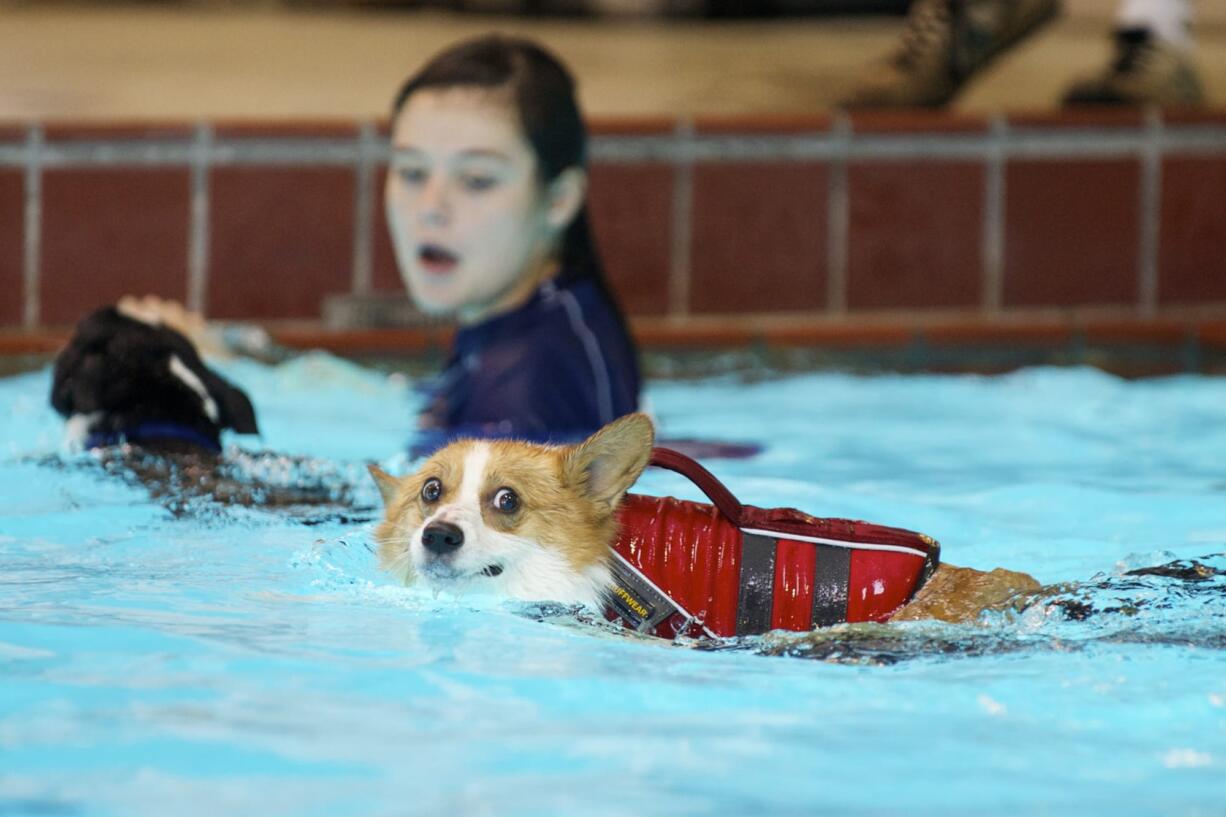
(707, 482)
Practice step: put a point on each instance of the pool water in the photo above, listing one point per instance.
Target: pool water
(230, 661)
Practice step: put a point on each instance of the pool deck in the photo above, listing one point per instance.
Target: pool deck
(190, 62)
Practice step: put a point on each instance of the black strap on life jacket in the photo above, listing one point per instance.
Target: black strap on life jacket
(636, 599)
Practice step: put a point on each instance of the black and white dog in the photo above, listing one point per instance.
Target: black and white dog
(124, 378)
(135, 391)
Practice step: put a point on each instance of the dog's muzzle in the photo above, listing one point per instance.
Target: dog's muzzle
(441, 540)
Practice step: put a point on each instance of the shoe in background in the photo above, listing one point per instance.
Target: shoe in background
(945, 43)
(1146, 70)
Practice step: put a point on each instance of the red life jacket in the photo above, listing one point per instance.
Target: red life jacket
(727, 569)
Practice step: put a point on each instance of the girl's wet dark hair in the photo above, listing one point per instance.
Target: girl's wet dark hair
(543, 93)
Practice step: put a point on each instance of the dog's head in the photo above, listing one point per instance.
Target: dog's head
(121, 373)
(526, 521)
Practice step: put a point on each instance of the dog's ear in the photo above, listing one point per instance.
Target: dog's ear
(388, 485)
(605, 465)
(236, 409)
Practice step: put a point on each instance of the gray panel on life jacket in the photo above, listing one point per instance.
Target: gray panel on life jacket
(755, 600)
(831, 575)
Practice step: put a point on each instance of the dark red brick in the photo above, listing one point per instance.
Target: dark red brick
(385, 275)
(915, 235)
(12, 246)
(759, 237)
(281, 240)
(296, 129)
(1101, 116)
(1071, 232)
(1194, 115)
(11, 132)
(908, 121)
(761, 124)
(115, 130)
(631, 214)
(107, 232)
(631, 125)
(1192, 243)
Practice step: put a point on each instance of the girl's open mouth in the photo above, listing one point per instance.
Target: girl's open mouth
(437, 260)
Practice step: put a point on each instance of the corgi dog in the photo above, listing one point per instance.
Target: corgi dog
(538, 523)
(520, 520)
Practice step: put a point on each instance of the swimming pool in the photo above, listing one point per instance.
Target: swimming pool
(236, 662)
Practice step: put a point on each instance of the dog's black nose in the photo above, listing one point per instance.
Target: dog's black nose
(442, 537)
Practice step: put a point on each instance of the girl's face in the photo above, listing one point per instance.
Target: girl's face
(470, 221)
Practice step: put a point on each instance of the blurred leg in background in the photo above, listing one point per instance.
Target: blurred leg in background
(1153, 59)
(946, 42)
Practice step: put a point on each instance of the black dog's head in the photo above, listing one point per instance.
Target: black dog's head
(120, 376)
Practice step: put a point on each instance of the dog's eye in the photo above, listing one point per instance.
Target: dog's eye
(432, 490)
(506, 500)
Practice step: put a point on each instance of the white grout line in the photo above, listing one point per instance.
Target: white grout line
(1054, 143)
(838, 218)
(994, 218)
(679, 273)
(681, 146)
(310, 151)
(198, 229)
(363, 211)
(1149, 215)
(33, 225)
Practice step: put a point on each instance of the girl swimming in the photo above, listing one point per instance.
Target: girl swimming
(485, 199)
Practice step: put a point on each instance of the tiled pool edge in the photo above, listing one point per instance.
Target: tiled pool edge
(1128, 346)
(829, 218)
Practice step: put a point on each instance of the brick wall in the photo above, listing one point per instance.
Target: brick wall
(707, 226)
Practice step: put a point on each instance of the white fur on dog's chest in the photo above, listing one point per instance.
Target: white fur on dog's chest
(545, 575)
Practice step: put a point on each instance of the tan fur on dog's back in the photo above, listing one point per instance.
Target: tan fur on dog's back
(960, 595)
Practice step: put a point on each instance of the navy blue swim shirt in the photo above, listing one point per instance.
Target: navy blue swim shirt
(553, 370)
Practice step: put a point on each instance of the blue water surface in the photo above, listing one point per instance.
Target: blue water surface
(231, 661)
